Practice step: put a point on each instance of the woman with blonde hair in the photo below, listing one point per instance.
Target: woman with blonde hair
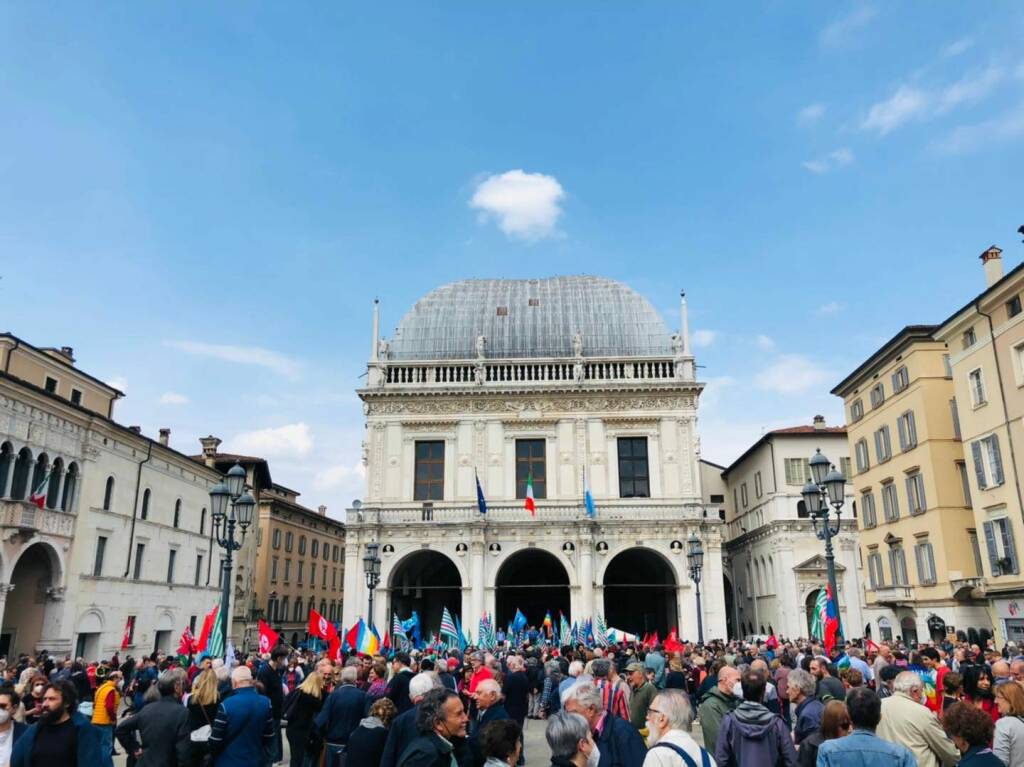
(1008, 743)
(300, 709)
(202, 705)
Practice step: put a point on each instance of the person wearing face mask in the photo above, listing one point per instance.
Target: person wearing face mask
(33, 702)
(62, 736)
(441, 720)
(571, 741)
(618, 741)
(10, 730)
(668, 723)
(104, 711)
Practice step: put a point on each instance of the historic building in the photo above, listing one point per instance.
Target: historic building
(774, 562)
(300, 563)
(123, 531)
(553, 384)
(918, 539)
(985, 347)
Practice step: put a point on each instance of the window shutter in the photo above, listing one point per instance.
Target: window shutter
(878, 446)
(930, 557)
(979, 466)
(1011, 548)
(997, 460)
(911, 500)
(903, 433)
(920, 492)
(921, 575)
(993, 554)
(872, 571)
(912, 429)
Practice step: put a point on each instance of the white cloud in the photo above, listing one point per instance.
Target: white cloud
(765, 343)
(173, 398)
(293, 440)
(905, 104)
(834, 160)
(842, 32)
(525, 205)
(242, 355)
(340, 475)
(810, 113)
(957, 47)
(832, 307)
(712, 394)
(970, 88)
(968, 138)
(118, 382)
(703, 338)
(792, 374)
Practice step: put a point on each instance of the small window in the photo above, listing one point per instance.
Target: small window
(202, 522)
(108, 494)
(76, 397)
(947, 365)
(965, 485)
(634, 476)
(916, 503)
(798, 471)
(273, 569)
(276, 539)
(907, 428)
(315, 548)
(956, 418)
(883, 444)
(428, 483)
(844, 467)
(877, 395)
(289, 541)
(140, 550)
(976, 384)
(867, 505)
(925, 557)
(890, 502)
(988, 462)
(503, 311)
(101, 548)
(969, 338)
(758, 489)
(534, 302)
(530, 467)
(51, 385)
(1002, 551)
(717, 498)
(199, 569)
(171, 557)
(900, 379)
(743, 494)
(857, 410)
(1013, 307)
(287, 571)
(302, 545)
(898, 565)
(335, 553)
(145, 504)
(177, 513)
(299, 572)
(861, 454)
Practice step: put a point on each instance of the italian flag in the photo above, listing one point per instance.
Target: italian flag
(38, 496)
(530, 505)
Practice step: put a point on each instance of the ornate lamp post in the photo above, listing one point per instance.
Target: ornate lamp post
(825, 488)
(223, 494)
(695, 559)
(371, 567)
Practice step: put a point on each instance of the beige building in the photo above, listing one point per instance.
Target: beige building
(985, 342)
(919, 541)
(300, 563)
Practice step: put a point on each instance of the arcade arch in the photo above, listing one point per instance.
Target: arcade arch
(640, 592)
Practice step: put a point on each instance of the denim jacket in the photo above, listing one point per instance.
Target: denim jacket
(864, 749)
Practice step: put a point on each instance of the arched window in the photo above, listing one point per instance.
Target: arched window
(22, 474)
(6, 460)
(771, 574)
(108, 494)
(285, 604)
(271, 610)
(767, 577)
(177, 512)
(315, 549)
(312, 606)
(42, 466)
(145, 504)
(288, 541)
(67, 499)
(323, 606)
(202, 521)
(53, 488)
(297, 617)
(801, 510)
(302, 545)
(757, 577)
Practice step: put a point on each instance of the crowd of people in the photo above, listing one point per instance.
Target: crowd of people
(767, 703)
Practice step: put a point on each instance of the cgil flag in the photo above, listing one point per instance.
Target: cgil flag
(818, 616)
(531, 506)
(398, 635)
(187, 643)
(268, 637)
(481, 502)
(448, 628)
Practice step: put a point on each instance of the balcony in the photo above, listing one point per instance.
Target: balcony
(28, 520)
(643, 510)
(895, 596)
(964, 588)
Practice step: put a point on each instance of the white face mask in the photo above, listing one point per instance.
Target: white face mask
(5, 716)
(594, 756)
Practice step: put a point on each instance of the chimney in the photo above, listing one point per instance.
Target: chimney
(819, 422)
(165, 437)
(993, 261)
(210, 445)
(68, 352)
(322, 510)
(135, 429)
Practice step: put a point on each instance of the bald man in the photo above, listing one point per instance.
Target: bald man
(490, 708)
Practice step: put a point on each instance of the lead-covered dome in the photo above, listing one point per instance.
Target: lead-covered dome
(531, 318)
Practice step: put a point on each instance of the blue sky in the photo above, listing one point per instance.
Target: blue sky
(203, 202)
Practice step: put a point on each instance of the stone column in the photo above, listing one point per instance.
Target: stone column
(5, 589)
(355, 585)
(793, 617)
(5, 491)
(477, 578)
(586, 577)
(60, 490)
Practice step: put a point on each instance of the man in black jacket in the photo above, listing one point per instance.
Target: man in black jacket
(341, 714)
(441, 719)
(270, 677)
(403, 730)
(489, 709)
(398, 688)
(163, 726)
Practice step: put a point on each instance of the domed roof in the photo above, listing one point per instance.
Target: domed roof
(531, 318)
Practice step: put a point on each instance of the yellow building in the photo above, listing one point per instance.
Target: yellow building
(986, 348)
(919, 540)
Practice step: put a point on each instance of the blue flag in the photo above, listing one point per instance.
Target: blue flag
(481, 502)
(588, 499)
(519, 622)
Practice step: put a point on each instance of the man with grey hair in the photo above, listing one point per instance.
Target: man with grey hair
(800, 687)
(243, 729)
(668, 731)
(403, 730)
(489, 709)
(342, 712)
(613, 735)
(908, 722)
(571, 742)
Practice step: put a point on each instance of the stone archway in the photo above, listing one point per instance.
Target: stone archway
(640, 593)
(426, 581)
(534, 581)
(35, 575)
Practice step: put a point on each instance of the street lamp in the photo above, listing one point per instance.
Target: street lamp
(695, 559)
(223, 495)
(825, 488)
(371, 567)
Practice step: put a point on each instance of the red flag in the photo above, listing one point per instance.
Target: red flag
(187, 644)
(654, 639)
(771, 643)
(672, 643)
(204, 632)
(268, 637)
(319, 626)
(352, 637)
(128, 626)
(870, 646)
(387, 640)
(334, 648)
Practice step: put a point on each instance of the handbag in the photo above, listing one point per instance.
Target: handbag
(201, 734)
